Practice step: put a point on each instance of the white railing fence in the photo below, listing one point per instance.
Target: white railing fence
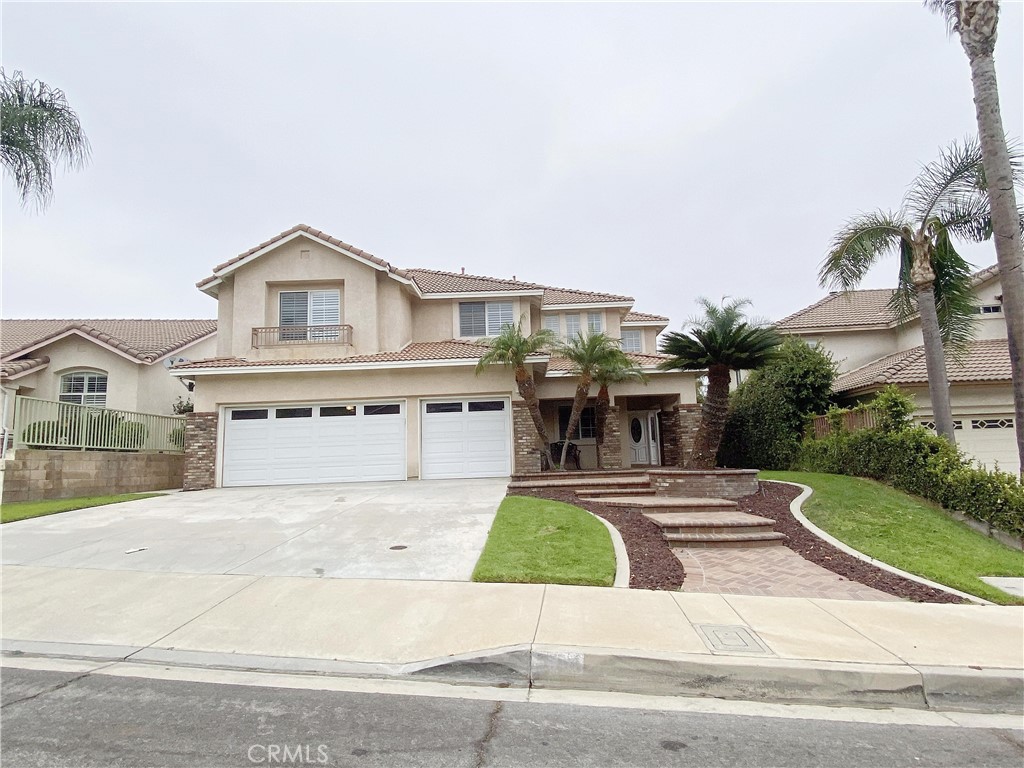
(48, 424)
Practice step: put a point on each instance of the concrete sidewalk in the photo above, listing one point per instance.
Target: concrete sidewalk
(956, 657)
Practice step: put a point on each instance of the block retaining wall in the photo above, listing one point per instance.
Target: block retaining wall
(36, 475)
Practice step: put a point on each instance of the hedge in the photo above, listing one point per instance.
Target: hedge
(919, 462)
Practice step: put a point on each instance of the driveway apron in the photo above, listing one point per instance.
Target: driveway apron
(420, 529)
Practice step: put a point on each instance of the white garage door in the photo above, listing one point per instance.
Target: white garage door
(991, 440)
(282, 445)
(466, 438)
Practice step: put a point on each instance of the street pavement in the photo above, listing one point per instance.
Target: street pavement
(111, 717)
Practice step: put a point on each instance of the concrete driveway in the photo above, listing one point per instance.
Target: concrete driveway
(420, 529)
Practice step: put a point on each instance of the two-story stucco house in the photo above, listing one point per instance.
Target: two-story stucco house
(332, 365)
(873, 350)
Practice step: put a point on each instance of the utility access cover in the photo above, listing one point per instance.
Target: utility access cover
(732, 638)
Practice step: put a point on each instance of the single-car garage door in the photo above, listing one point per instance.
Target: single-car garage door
(329, 443)
(466, 438)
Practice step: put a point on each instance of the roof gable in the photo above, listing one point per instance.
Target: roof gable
(143, 341)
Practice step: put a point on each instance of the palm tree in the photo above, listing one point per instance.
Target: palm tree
(587, 354)
(975, 22)
(720, 341)
(39, 129)
(511, 349)
(947, 199)
(618, 368)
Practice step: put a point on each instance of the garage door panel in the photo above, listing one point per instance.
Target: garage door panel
(465, 438)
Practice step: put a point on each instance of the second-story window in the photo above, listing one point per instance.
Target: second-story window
(631, 341)
(302, 311)
(572, 326)
(595, 322)
(553, 324)
(484, 318)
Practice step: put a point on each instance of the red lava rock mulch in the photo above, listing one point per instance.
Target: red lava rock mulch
(773, 501)
(652, 564)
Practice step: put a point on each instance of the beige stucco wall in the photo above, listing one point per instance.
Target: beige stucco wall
(432, 321)
(408, 384)
(852, 349)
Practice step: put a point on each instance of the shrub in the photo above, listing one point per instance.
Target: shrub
(177, 437)
(893, 408)
(42, 434)
(924, 464)
(131, 435)
(768, 412)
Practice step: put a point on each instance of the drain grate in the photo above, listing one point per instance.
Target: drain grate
(731, 638)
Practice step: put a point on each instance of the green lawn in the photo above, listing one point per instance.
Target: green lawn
(23, 510)
(536, 541)
(906, 531)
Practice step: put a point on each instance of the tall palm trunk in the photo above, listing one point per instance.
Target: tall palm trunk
(528, 391)
(601, 415)
(712, 419)
(977, 27)
(923, 277)
(580, 400)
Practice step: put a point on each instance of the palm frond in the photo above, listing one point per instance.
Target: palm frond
(957, 176)
(587, 353)
(722, 337)
(955, 303)
(902, 304)
(858, 246)
(949, 10)
(39, 129)
(510, 348)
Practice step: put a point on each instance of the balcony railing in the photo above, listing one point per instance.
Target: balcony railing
(301, 334)
(50, 424)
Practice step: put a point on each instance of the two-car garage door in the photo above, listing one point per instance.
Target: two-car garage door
(332, 443)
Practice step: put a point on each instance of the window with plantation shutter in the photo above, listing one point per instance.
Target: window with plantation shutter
(572, 326)
(595, 322)
(552, 323)
(484, 318)
(631, 341)
(84, 388)
(302, 309)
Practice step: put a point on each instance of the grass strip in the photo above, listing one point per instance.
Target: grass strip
(907, 532)
(538, 541)
(23, 510)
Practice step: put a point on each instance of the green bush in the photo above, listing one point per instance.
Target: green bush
(768, 412)
(919, 462)
(177, 437)
(42, 434)
(131, 435)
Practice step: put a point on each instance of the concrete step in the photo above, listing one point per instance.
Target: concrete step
(666, 504)
(724, 540)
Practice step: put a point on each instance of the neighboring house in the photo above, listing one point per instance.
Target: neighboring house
(105, 363)
(332, 365)
(873, 350)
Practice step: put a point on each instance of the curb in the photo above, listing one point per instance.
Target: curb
(787, 681)
(621, 556)
(795, 509)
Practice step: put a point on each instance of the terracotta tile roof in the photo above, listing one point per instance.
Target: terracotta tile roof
(145, 340)
(857, 308)
(985, 360)
(643, 317)
(554, 297)
(561, 364)
(310, 231)
(433, 281)
(841, 310)
(15, 367)
(420, 352)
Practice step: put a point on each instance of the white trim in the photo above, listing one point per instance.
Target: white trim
(795, 510)
(654, 369)
(314, 367)
(585, 305)
(645, 324)
(73, 332)
(481, 294)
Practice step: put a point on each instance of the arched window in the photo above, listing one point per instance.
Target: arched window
(84, 388)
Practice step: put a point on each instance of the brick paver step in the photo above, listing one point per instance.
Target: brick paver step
(680, 504)
(670, 521)
(581, 483)
(598, 493)
(708, 540)
(584, 474)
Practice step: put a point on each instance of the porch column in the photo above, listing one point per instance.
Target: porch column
(678, 429)
(525, 453)
(200, 451)
(611, 450)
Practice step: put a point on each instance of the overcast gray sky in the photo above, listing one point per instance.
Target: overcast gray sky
(664, 151)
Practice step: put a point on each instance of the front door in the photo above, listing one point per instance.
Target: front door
(643, 438)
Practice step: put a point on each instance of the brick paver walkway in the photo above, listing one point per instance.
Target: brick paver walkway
(771, 571)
